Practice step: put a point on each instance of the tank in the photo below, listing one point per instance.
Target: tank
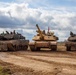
(43, 40)
(13, 41)
(71, 42)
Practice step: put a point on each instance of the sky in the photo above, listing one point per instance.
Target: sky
(23, 15)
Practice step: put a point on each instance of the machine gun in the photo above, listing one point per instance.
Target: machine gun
(7, 32)
(72, 34)
(40, 32)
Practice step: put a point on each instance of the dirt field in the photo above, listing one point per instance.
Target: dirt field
(39, 63)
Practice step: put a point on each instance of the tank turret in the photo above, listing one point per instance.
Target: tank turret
(42, 35)
(11, 36)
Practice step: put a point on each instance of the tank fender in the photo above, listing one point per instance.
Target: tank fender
(53, 43)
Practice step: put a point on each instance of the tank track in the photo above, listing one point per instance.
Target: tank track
(68, 48)
(54, 48)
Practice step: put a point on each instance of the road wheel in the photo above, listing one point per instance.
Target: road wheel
(10, 47)
(68, 48)
(26, 47)
(32, 48)
(53, 48)
(38, 49)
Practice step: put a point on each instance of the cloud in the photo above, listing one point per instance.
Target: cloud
(23, 18)
(71, 0)
(25, 1)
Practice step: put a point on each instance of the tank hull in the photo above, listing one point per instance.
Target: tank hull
(70, 45)
(36, 46)
(14, 45)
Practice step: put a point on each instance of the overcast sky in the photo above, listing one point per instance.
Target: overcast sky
(23, 15)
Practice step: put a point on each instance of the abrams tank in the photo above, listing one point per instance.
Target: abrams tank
(12, 41)
(43, 40)
(71, 42)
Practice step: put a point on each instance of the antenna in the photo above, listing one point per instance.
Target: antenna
(48, 29)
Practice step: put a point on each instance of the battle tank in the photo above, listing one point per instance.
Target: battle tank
(43, 40)
(12, 41)
(71, 42)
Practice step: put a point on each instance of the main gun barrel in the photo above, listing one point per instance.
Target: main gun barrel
(38, 27)
(39, 31)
